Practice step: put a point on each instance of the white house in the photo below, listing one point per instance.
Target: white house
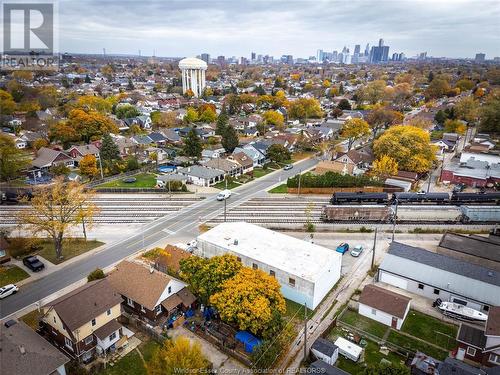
(305, 271)
(384, 306)
(202, 176)
(325, 350)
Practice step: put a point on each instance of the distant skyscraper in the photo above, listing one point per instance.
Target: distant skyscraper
(357, 49)
(320, 56)
(422, 56)
(367, 49)
(287, 59)
(480, 57)
(379, 54)
(381, 42)
(205, 57)
(253, 56)
(221, 60)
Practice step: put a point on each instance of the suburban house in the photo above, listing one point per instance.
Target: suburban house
(481, 345)
(244, 160)
(78, 152)
(151, 295)
(25, 352)
(47, 158)
(255, 155)
(325, 350)
(201, 175)
(169, 262)
(361, 158)
(230, 168)
(435, 276)
(384, 306)
(84, 321)
(444, 146)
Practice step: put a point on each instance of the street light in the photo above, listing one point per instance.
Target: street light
(394, 219)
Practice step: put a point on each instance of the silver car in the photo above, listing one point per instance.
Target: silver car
(7, 290)
(357, 250)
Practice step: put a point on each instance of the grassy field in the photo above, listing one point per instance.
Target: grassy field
(72, 247)
(143, 180)
(32, 319)
(260, 172)
(430, 329)
(280, 189)
(132, 363)
(230, 185)
(11, 275)
(363, 323)
(416, 345)
(292, 308)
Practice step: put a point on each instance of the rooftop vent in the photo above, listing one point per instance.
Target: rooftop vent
(235, 242)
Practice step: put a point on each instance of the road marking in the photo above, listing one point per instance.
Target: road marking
(168, 231)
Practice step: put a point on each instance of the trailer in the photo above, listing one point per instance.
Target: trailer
(348, 349)
(472, 214)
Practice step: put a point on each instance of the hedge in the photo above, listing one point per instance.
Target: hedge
(331, 179)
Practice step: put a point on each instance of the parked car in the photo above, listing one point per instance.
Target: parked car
(356, 252)
(223, 195)
(342, 248)
(459, 187)
(288, 167)
(7, 290)
(33, 263)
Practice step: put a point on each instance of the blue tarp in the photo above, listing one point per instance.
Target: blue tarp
(249, 340)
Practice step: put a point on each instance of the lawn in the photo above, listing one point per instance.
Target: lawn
(11, 275)
(32, 319)
(132, 363)
(363, 323)
(230, 185)
(430, 329)
(416, 345)
(143, 180)
(292, 308)
(260, 172)
(301, 156)
(72, 247)
(280, 189)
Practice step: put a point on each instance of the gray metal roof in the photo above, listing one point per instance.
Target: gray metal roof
(200, 172)
(324, 346)
(478, 246)
(443, 272)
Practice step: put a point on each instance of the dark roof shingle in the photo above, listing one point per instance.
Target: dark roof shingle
(384, 300)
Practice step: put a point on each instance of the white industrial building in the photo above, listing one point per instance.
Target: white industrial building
(305, 271)
(435, 276)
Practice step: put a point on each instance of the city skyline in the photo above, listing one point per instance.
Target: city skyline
(297, 28)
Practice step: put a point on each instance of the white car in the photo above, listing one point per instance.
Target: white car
(223, 195)
(356, 252)
(7, 290)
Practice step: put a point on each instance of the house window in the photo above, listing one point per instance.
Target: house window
(89, 340)
(254, 266)
(130, 302)
(421, 286)
(112, 336)
(93, 322)
(374, 312)
(108, 312)
(291, 281)
(169, 289)
(436, 291)
(158, 309)
(68, 343)
(471, 351)
(486, 308)
(55, 320)
(494, 358)
(272, 273)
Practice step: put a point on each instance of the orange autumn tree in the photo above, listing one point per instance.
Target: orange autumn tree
(249, 300)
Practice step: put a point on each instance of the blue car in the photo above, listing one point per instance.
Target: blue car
(342, 248)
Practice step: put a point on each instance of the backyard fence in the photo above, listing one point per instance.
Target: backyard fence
(143, 327)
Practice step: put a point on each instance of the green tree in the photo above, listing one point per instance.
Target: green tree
(455, 126)
(274, 118)
(191, 116)
(96, 274)
(464, 84)
(386, 369)
(440, 117)
(467, 109)
(208, 116)
(192, 144)
(126, 111)
(437, 88)
(222, 123)
(229, 139)
(7, 103)
(373, 92)
(12, 159)
(206, 275)
(130, 85)
(278, 153)
(344, 105)
(490, 113)
(109, 149)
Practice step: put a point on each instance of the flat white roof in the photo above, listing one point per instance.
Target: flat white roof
(289, 254)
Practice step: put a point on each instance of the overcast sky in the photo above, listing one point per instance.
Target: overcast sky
(453, 28)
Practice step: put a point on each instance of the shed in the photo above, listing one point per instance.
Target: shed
(384, 306)
(325, 350)
(393, 182)
(248, 340)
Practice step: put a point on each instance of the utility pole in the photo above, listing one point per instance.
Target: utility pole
(430, 178)
(300, 175)
(374, 247)
(225, 205)
(305, 331)
(394, 220)
(100, 165)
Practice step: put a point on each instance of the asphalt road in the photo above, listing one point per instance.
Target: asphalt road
(186, 220)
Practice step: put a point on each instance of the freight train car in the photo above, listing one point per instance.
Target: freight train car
(423, 198)
(380, 214)
(360, 198)
(472, 214)
(418, 213)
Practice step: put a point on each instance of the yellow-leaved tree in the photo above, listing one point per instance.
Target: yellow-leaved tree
(176, 356)
(249, 300)
(385, 166)
(88, 166)
(353, 129)
(409, 146)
